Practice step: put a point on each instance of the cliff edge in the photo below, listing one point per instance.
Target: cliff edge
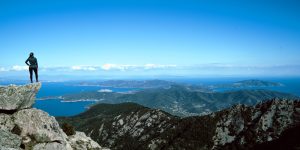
(24, 127)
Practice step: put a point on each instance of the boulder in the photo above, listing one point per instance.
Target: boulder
(80, 141)
(14, 97)
(9, 140)
(38, 125)
(51, 146)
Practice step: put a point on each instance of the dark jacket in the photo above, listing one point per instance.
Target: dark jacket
(32, 62)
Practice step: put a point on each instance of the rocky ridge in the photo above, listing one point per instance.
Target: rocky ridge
(24, 127)
(132, 126)
(121, 126)
(243, 127)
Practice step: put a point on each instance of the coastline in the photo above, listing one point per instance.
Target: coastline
(81, 100)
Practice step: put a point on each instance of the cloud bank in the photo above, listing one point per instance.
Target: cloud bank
(200, 69)
(113, 67)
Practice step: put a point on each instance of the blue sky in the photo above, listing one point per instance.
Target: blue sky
(153, 37)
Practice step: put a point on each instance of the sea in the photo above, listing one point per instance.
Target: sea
(57, 107)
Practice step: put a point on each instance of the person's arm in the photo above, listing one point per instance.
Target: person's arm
(26, 62)
(37, 63)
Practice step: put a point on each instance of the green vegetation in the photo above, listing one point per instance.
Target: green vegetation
(247, 84)
(132, 126)
(101, 121)
(181, 101)
(130, 83)
(68, 129)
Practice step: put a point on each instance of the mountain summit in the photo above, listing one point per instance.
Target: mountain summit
(23, 127)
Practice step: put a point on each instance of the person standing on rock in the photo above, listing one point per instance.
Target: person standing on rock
(33, 66)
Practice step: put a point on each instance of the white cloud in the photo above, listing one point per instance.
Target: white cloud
(108, 66)
(19, 68)
(104, 67)
(209, 69)
(118, 67)
(124, 67)
(2, 69)
(105, 91)
(84, 68)
(157, 66)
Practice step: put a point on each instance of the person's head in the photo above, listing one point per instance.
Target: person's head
(31, 54)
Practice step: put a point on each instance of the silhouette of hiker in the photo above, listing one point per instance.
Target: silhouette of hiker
(33, 66)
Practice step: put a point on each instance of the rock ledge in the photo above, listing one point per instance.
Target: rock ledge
(14, 97)
(23, 127)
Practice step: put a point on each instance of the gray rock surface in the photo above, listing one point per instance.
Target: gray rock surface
(52, 146)
(23, 127)
(9, 140)
(38, 125)
(14, 97)
(6, 122)
(80, 141)
(5, 148)
(253, 125)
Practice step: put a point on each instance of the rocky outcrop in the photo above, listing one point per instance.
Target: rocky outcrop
(23, 127)
(15, 97)
(132, 126)
(36, 126)
(122, 126)
(81, 142)
(244, 127)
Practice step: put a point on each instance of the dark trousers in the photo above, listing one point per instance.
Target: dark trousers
(31, 69)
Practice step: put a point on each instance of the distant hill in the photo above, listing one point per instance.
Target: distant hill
(148, 84)
(248, 84)
(132, 126)
(142, 84)
(181, 101)
(130, 83)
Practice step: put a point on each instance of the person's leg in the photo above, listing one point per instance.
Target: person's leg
(30, 72)
(36, 74)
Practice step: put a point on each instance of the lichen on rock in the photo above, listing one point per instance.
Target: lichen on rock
(6, 122)
(9, 140)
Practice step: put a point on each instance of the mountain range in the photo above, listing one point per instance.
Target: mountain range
(163, 83)
(132, 126)
(181, 100)
(247, 84)
(129, 83)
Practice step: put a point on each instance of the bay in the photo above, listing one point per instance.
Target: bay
(56, 107)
